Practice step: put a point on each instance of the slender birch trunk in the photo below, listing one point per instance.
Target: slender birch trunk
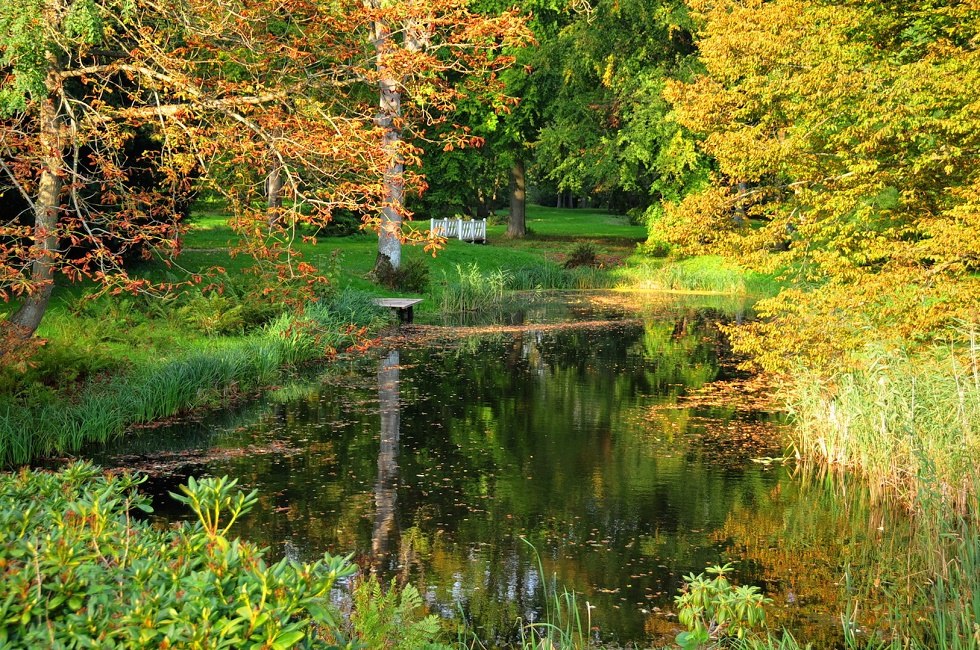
(47, 209)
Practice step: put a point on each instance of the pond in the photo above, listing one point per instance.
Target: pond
(577, 445)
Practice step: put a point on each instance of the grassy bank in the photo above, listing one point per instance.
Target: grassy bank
(102, 393)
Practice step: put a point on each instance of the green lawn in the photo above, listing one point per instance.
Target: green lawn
(553, 234)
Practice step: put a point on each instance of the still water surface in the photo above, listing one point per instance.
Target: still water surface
(611, 447)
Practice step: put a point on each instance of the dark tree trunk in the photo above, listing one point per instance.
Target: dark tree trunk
(517, 224)
(482, 205)
(739, 216)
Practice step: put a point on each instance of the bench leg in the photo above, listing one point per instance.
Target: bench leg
(406, 314)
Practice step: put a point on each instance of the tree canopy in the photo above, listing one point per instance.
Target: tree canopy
(232, 95)
(849, 133)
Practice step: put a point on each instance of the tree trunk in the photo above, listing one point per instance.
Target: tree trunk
(47, 207)
(482, 205)
(273, 192)
(739, 216)
(389, 232)
(517, 224)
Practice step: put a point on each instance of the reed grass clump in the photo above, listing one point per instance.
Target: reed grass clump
(470, 289)
(703, 274)
(909, 423)
(563, 625)
(553, 276)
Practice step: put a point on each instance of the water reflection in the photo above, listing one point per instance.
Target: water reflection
(434, 462)
(385, 493)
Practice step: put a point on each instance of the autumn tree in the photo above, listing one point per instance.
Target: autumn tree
(428, 57)
(207, 81)
(259, 101)
(850, 133)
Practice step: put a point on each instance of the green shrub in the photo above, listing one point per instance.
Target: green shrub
(78, 570)
(655, 248)
(713, 609)
(414, 276)
(637, 216)
(411, 276)
(584, 254)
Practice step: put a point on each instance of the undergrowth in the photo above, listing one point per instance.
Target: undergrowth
(37, 421)
(78, 570)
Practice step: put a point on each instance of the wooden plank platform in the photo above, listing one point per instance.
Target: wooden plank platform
(403, 307)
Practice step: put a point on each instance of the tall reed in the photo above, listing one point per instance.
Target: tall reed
(470, 289)
(909, 425)
(903, 421)
(552, 276)
(563, 626)
(705, 274)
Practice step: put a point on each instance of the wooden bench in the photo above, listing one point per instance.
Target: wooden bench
(402, 306)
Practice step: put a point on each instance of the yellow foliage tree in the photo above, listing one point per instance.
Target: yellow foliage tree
(847, 142)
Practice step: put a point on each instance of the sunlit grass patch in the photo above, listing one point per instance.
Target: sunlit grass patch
(707, 274)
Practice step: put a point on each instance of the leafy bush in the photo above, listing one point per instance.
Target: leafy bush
(411, 276)
(585, 254)
(637, 216)
(78, 570)
(713, 609)
(655, 248)
(414, 276)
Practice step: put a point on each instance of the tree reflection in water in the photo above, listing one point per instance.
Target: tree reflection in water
(385, 489)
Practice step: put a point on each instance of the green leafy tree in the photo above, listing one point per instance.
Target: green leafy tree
(606, 130)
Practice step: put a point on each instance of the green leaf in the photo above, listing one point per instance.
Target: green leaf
(287, 639)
